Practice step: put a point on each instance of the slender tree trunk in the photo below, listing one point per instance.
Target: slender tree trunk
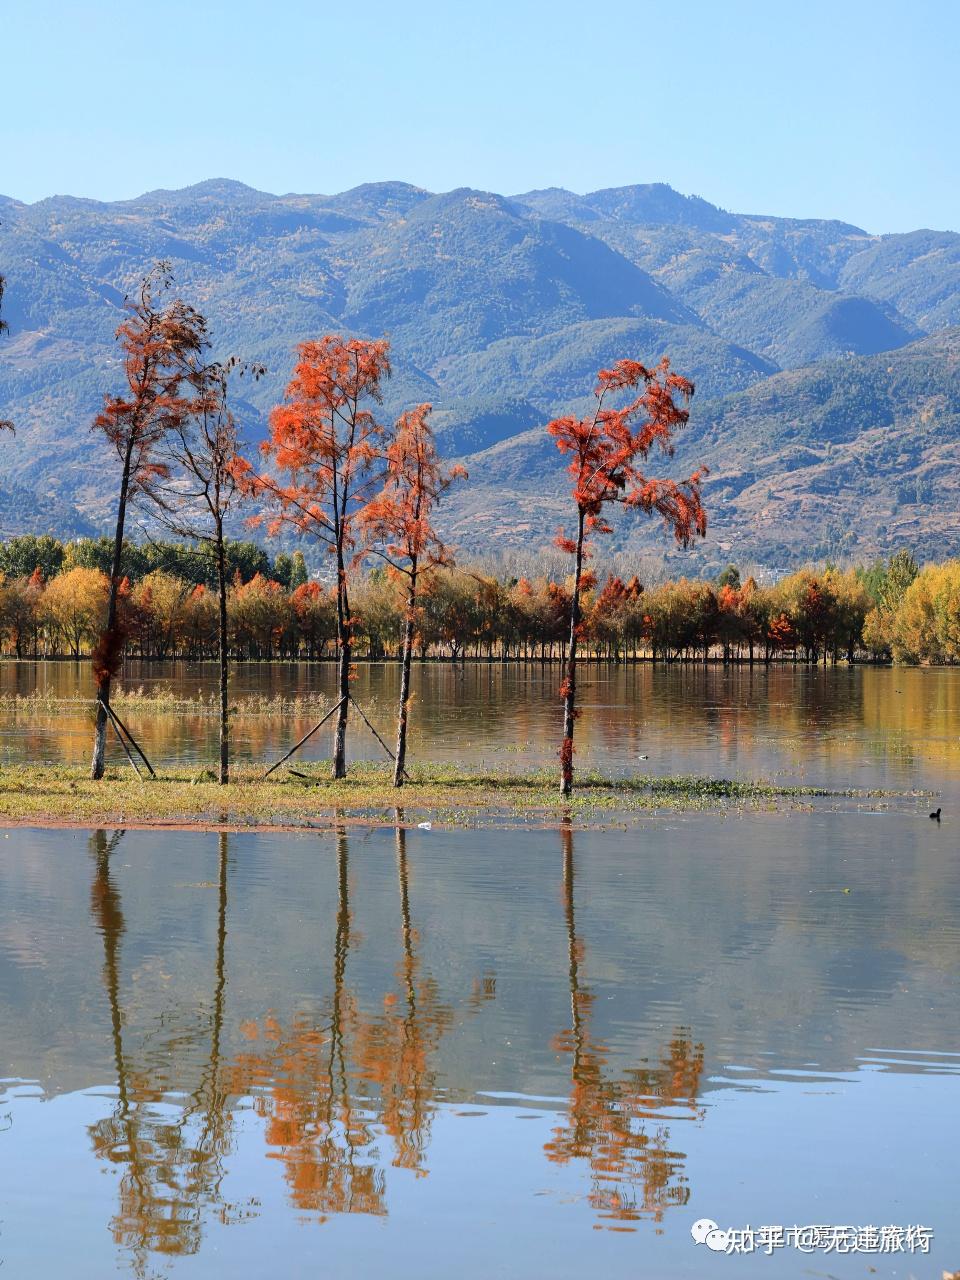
(343, 686)
(405, 680)
(570, 676)
(224, 659)
(103, 682)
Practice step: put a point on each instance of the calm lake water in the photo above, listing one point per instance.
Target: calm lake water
(525, 1053)
(519, 1054)
(867, 727)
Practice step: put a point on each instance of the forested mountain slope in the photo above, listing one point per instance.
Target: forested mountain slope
(500, 311)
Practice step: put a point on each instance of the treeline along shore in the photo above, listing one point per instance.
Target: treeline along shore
(53, 598)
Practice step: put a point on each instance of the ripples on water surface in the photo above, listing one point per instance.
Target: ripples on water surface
(828, 727)
(522, 1054)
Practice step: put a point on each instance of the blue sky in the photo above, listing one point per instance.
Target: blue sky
(809, 109)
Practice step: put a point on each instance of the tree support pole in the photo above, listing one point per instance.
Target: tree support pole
(123, 742)
(123, 733)
(376, 735)
(305, 738)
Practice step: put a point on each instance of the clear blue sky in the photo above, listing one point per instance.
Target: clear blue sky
(806, 108)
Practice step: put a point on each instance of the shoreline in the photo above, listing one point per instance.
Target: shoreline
(488, 660)
(447, 796)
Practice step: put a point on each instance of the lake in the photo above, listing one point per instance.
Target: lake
(859, 726)
(535, 1053)
(516, 1053)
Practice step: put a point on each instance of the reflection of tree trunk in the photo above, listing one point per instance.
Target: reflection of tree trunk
(105, 903)
(339, 1020)
(220, 988)
(210, 1097)
(342, 941)
(409, 960)
(411, 1031)
(407, 1085)
(168, 1177)
(573, 957)
(338, 1062)
(634, 1173)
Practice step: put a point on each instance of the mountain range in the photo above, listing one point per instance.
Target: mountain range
(825, 358)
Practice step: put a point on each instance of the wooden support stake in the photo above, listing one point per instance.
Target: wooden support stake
(376, 735)
(123, 743)
(306, 737)
(122, 728)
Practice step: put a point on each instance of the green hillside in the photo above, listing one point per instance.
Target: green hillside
(850, 458)
(499, 311)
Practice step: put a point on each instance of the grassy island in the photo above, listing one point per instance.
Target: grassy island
(305, 797)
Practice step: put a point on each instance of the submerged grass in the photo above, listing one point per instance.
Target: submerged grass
(309, 798)
(164, 700)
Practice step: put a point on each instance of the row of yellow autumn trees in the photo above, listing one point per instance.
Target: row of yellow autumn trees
(925, 625)
(467, 612)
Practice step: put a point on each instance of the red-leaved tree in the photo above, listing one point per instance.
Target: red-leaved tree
(326, 447)
(398, 525)
(605, 450)
(158, 341)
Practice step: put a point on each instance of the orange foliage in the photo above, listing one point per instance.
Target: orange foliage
(605, 449)
(398, 520)
(158, 344)
(606, 446)
(323, 440)
(781, 632)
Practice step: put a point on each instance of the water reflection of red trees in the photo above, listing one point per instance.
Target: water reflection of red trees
(327, 1085)
(169, 1147)
(617, 1123)
(346, 1093)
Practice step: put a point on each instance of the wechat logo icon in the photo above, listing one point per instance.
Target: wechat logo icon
(705, 1231)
